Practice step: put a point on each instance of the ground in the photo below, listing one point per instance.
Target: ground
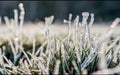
(31, 29)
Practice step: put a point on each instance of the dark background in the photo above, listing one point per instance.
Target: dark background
(104, 11)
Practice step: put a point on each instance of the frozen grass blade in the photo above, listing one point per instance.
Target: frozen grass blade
(56, 70)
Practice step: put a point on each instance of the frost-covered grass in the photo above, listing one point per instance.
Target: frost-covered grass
(79, 51)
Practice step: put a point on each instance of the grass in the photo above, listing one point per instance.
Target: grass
(77, 52)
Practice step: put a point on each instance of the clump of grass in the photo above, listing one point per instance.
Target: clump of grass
(79, 52)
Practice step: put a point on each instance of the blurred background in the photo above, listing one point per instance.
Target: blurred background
(105, 11)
